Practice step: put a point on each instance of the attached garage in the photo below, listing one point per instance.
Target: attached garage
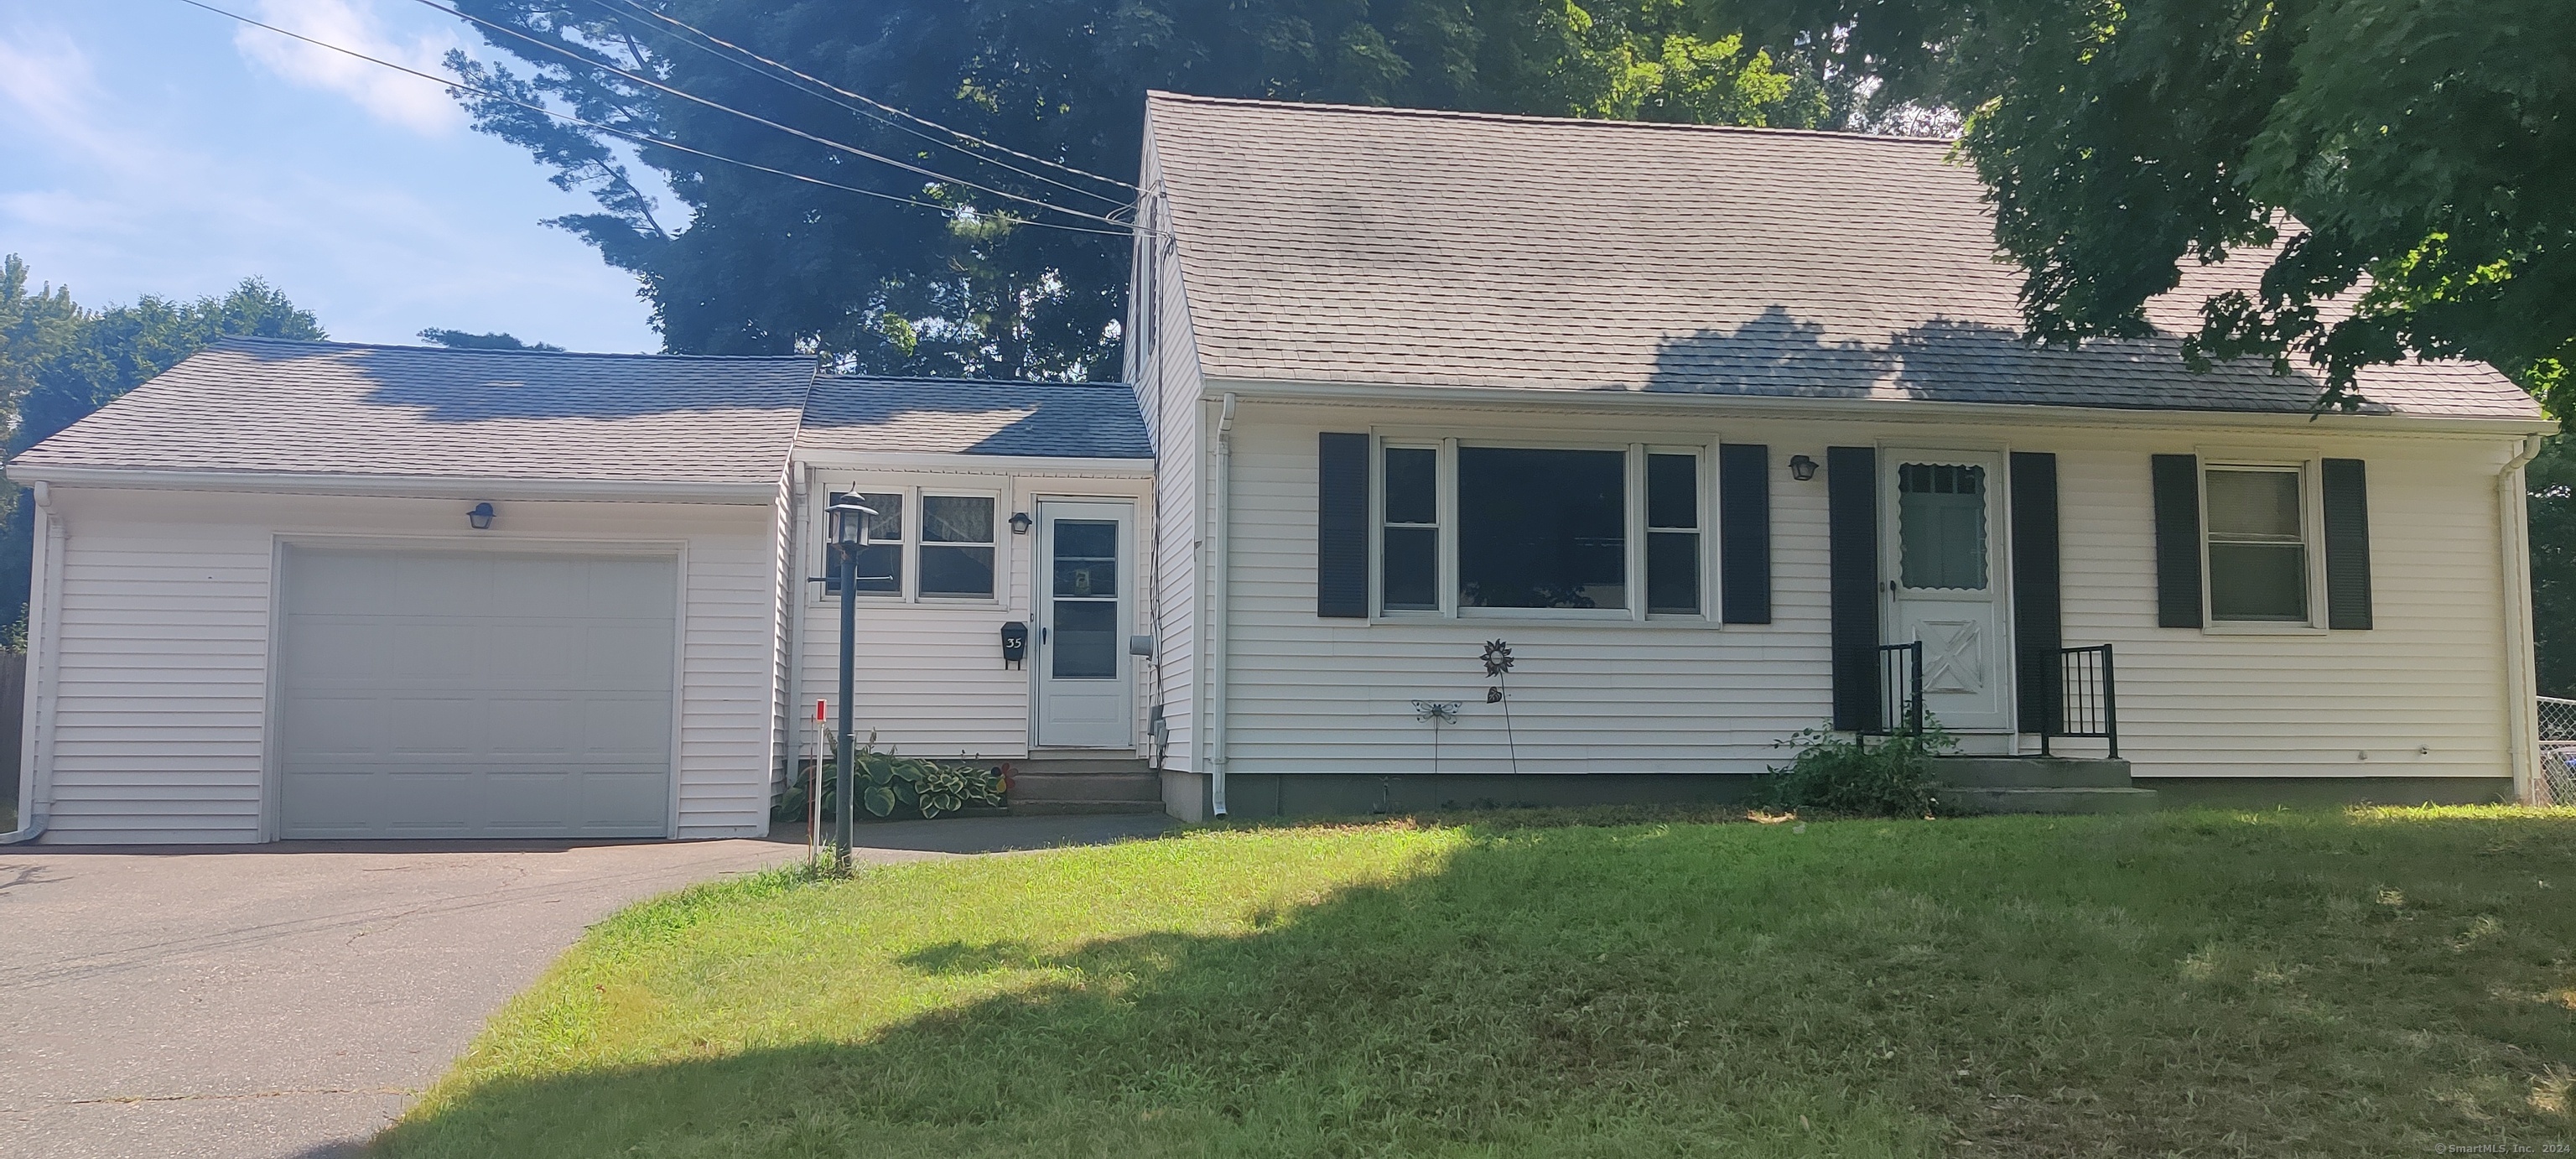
(296, 590)
(476, 694)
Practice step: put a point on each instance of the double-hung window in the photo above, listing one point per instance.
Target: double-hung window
(2258, 543)
(878, 570)
(957, 546)
(951, 558)
(1592, 532)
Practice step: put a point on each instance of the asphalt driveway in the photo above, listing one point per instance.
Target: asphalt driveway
(288, 1000)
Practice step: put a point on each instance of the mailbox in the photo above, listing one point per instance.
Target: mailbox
(1015, 643)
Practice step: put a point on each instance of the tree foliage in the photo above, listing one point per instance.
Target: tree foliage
(980, 282)
(467, 340)
(59, 362)
(2409, 157)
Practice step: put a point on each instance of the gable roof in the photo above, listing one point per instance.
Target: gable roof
(1336, 244)
(976, 417)
(351, 412)
(268, 407)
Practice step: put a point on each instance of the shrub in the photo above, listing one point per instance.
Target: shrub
(888, 783)
(1851, 777)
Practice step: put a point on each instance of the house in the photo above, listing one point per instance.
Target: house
(1467, 459)
(1696, 420)
(323, 590)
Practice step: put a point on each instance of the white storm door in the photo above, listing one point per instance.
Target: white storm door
(1945, 581)
(1085, 590)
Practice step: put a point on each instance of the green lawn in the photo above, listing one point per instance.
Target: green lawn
(2181, 984)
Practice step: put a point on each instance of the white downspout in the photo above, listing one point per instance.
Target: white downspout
(1220, 505)
(2522, 710)
(44, 643)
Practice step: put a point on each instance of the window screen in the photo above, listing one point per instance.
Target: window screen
(957, 546)
(1672, 534)
(1542, 528)
(1409, 552)
(880, 564)
(2258, 557)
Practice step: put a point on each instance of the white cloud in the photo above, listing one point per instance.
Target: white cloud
(408, 101)
(48, 80)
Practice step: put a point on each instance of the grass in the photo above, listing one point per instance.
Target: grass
(2373, 982)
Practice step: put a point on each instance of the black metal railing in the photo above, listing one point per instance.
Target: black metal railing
(2088, 698)
(1900, 691)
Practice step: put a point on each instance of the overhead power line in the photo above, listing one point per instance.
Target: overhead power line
(873, 102)
(684, 94)
(639, 138)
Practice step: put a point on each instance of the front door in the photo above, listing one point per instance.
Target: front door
(1084, 594)
(1945, 582)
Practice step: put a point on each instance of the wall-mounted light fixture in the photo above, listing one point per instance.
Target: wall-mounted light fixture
(1801, 468)
(1020, 523)
(480, 517)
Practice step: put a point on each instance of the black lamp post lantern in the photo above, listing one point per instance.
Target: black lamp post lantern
(850, 522)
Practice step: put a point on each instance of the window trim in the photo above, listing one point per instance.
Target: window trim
(1634, 446)
(2311, 539)
(908, 593)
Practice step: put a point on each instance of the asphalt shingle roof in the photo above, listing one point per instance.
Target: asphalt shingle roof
(974, 417)
(1380, 246)
(262, 406)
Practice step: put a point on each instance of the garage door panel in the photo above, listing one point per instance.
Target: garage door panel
(451, 694)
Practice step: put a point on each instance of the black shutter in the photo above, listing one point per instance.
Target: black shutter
(2347, 502)
(1744, 533)
(1341, 525)
(2037, 630)
(1851, 499)
(2177, 488)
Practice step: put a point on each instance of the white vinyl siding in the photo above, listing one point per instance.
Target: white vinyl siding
(928, 674)
(161, 712)
(1167, 379)
(2422, 695)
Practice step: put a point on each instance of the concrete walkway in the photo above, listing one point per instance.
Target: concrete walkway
(263, 1002)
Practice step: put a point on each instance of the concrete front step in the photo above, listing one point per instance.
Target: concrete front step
(2054, 800)
(1062, 787)
(2031, 772)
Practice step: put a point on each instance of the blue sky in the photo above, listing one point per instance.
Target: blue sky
(150, 147)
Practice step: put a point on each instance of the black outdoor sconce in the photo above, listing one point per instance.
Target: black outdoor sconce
(480, 517)
(1801, 468)
(1020, 523)
(1015, 643)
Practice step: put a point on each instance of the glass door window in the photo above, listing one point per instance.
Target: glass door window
(1085, 600)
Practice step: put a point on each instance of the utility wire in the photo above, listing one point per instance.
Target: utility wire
(868, 100)
(638, 138)
(826, 142)
(856, 103)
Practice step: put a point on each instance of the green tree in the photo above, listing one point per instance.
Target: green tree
(980, 282)
(2552, 479)
(465, 340)
(2409, 157)
(59, 362)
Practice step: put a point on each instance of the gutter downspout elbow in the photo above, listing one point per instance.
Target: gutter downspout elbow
(1220, 559)
(2522, 708)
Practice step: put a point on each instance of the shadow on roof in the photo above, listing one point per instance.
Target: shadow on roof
(1779, 355)
(977, 417)
(472, 385)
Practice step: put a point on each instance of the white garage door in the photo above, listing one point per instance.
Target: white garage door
(473, 694)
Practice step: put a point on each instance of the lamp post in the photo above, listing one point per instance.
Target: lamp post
(849, 532)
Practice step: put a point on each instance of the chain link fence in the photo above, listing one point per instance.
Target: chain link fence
(2557, 781)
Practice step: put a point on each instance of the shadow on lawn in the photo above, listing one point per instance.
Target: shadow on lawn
(2070, 988)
